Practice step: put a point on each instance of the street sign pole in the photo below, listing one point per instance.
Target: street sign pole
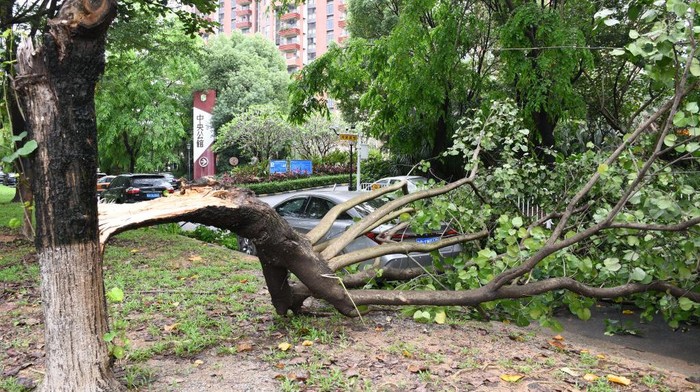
(359, 144)
(350, 183)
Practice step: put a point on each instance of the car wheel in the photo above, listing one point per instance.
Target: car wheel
(246, 246)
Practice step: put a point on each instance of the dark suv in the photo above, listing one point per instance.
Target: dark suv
(130, 188)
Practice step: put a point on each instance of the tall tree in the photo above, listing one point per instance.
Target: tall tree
(261, 132)
(441, 43)
(143, 98)
(245, 71)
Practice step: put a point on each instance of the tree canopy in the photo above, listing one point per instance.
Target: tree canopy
(245, 71)
(143, 99)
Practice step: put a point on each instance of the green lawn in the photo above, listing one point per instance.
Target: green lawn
(8, 210)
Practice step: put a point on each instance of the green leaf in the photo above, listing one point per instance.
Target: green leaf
(695, 67)
(584, 314)
(692, 107)
(633, 34)
(679, 119)
(118, 352)
(670, 140)
(440, 317)
(611, 22)
(612, 264)
(115, 294)
(638, 274)
(686, 304)
(109, 336)
(421, 316)
(517, 221)
(28, 148)
(602, 168)
(617, 52)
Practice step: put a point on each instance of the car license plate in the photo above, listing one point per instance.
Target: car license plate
(152, 195)
(429, 240)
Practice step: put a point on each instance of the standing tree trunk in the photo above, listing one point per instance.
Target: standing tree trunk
(56, 84)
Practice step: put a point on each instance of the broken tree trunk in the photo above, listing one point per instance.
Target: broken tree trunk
(280, 249)
(56, 84)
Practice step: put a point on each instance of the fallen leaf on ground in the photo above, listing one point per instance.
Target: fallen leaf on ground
(619, 380)
(511, 377)
(558, 337)
(557, 344)
(600, 356)
(243, 347)
(416, 368)
(627, 311)
(570, 372)
(407, 354)
(590, 377)
(198, 363)
(284, 346)
(307, 343)
(171, 327)
(195, 258)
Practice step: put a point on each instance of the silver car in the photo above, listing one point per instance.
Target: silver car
(304, 211)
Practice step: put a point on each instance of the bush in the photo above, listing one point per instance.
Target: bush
(293, 184)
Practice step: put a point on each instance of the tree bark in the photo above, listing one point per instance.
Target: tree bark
(56, 84)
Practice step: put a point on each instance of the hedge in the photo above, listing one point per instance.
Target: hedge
(295, 184)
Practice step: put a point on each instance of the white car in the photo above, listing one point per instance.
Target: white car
(413, 182)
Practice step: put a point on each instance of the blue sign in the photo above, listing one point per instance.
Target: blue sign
(278, 167)
(301, 167)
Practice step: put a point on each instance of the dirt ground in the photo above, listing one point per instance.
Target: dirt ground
(383, 351)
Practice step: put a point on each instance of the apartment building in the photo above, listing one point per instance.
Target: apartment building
(301, 32)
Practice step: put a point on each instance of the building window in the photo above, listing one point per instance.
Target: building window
(311, 47)
(329, 8)
(329, 23)
(329, 37)
(311, 31)
(311, 56)
(311, 15)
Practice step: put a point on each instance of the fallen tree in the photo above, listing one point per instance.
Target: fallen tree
(281, 250)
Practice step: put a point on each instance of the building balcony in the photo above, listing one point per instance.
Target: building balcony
(294, 62)
(342, 23)
(290, 15)
(243, 2)
(244, 25)
(342, 39)
(244, 12)
(290, 47)
(290, 32)
(342, 7)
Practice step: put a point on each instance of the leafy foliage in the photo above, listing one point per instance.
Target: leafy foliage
(143, 98)
(259, 131)
(246, 71)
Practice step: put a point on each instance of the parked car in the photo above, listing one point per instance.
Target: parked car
(11, 179)
(103, 183)
(130, 188)
(304, 210)
(413, 182)
(174, 182)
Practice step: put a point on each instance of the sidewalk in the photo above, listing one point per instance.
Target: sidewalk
(656, 343)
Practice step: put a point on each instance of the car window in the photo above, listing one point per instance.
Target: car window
(148, 181)
(117, 182)
(367, 207)
(318, 208)
(292, 208)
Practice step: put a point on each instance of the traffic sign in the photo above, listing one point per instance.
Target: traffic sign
(351, 137)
